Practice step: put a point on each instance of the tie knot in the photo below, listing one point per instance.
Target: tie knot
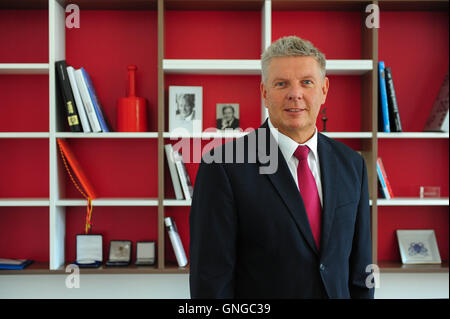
(301, 153)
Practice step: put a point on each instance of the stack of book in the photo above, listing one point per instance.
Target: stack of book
(14, 263)
(81, 104)
(383, 181)
(389, 117)
(180, 179)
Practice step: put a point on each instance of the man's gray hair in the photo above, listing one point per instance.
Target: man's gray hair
(291, 46)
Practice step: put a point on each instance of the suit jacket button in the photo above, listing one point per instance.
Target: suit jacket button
(322, 267)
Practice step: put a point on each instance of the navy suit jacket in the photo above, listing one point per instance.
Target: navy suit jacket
(250, 235)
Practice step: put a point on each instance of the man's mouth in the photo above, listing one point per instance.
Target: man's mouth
(295, 109)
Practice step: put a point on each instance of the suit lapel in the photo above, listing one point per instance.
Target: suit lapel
(328, 169)
(287, 189)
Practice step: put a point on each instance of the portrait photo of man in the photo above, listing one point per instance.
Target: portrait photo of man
(185, 108)
(301, 230)
(227, 116)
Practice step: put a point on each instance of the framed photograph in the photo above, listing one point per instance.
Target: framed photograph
(227, 116)
(185, 108)
(418, 246)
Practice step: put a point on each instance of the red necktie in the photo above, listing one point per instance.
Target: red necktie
(308, 191)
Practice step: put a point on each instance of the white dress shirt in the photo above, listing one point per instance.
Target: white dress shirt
(288, 147)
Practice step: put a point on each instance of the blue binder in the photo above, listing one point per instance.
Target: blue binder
(22, 265)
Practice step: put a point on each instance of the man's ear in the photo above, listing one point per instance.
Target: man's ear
(325, 87)
(263, 90)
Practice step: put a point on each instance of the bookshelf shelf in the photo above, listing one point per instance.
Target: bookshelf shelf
(205, 135)
(398, 267)
(24, 135)
(413, 202)
(41, 268)
(430, 135)
(345, 135)
(24, 68)
(253, 67)
(108, 135)
(243, 67)
(109, 202)
(363, 135)
(24, 202)
(177, 202)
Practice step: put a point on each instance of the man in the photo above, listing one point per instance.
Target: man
(185, 109)
(228, 120)
(302, 231)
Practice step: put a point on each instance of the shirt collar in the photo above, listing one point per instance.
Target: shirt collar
(288, 145)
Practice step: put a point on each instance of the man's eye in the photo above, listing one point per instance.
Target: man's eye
(280, 84)
(307, 81)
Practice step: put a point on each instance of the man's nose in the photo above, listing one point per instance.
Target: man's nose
(295, 92)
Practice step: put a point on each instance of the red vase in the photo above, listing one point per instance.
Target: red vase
(131, 110)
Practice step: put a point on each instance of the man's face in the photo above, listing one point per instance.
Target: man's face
(185, 107)
(228, 114)
(294, 92)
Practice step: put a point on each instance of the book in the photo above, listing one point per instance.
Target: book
(173, 171)
(87, 102)
(79, 103)
(76, 168)
(382, 177)
(394, 114)
(67, 96)
(14, 263)
(438, 118)
(176, 241)
(383, 97)
(380, 190)
(95, 101)
(185, 181)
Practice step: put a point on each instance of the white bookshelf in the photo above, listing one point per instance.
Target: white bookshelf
(57, 203)
(24, 68)
(408, 201)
